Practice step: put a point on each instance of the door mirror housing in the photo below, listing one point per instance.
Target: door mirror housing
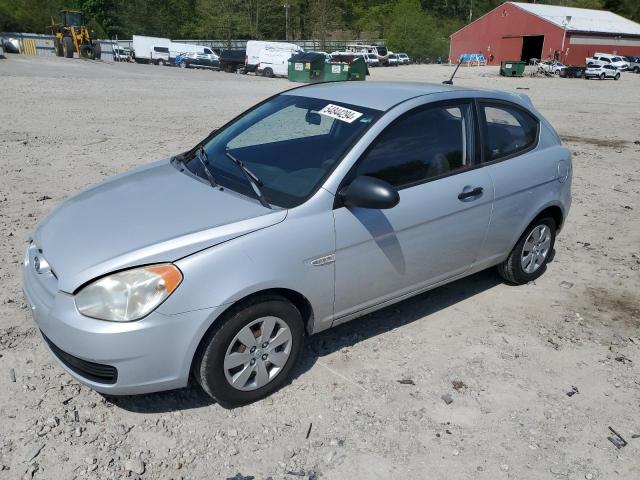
(369, 192)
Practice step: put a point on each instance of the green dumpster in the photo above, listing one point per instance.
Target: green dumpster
(345, 67)
(512, 68)
(306, 67)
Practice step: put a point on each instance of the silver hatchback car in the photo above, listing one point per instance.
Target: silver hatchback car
(314, 207)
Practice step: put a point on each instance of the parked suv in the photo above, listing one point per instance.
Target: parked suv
(634, 64)
(317, 206)
(601, 72)
(404, 59)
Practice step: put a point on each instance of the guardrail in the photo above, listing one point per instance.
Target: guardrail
(39, 44)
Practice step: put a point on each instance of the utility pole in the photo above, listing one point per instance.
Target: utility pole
(565, 24)
(286, 20)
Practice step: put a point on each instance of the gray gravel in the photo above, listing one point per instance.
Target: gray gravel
(512, 352)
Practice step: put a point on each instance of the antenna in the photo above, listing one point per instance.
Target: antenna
(450, 81)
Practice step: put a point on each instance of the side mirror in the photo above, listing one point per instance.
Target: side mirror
(313, 118)
(369, 192)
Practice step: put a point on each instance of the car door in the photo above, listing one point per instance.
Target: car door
(523, 176)
(436, 230)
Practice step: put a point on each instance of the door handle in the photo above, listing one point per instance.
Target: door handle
(470, 193)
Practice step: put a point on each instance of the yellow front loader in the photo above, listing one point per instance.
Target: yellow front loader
(72, 35)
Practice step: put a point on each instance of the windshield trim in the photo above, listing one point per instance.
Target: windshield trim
(184, 157)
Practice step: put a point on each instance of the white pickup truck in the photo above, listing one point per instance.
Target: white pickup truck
(602, 59)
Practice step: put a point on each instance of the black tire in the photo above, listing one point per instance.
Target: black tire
(67, 47)
(183, 64)
(57, 46)
(86, 51)
(617, 77)
(511, 269)
(268, 72)
(161, 62)
(602, 76)
(636, 69)
(97, 50)
(208, 364)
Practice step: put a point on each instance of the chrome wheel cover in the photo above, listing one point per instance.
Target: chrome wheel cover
(258, 353)
(535, 249)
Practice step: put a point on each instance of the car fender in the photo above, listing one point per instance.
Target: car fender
(281, 256)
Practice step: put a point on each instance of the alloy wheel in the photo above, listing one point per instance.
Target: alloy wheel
(535, 249)
(258, 353)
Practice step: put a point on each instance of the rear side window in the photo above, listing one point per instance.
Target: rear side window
(426, 143)
(508, 130)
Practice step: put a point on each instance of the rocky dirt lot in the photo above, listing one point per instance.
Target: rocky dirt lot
(366, 401)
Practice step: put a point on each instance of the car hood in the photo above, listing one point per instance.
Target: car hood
(152, 214)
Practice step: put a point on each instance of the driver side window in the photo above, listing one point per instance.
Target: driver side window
(426, 143)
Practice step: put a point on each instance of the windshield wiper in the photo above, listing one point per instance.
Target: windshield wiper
(201, 153)
(251, 177)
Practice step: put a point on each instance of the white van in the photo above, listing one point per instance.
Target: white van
(254, 51)
(153, 50)
(273, 63)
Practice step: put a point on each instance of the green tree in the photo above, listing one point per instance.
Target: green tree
(413, 31)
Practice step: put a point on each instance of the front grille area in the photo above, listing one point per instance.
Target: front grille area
(95, 372)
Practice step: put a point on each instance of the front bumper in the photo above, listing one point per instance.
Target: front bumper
(148, 355)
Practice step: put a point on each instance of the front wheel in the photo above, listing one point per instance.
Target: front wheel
(602, 76)
(67, 47)
(617, 77)
(250, 355)
(528, 259)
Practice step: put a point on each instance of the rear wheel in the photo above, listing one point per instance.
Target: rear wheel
(250, 355)
(162, 62)
(183, 64)
(602, 76)
(617, 77)
(57, 46)
(267, 72)
(528, 259)
(67, 47)
(86, 51)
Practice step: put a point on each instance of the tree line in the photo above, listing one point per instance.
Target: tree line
(419, 27)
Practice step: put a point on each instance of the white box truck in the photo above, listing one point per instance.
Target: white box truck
(267, 58)
(153, 50)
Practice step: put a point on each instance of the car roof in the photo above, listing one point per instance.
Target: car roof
(376, 95)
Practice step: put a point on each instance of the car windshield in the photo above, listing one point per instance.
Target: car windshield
(289, 142)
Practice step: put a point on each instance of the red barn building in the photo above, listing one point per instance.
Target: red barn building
(521, 31)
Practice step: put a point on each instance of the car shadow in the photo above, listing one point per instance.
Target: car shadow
(393, 316)
(329, 341)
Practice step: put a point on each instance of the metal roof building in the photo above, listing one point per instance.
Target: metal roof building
(521, 31)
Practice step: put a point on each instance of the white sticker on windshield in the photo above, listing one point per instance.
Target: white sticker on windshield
(340, 113)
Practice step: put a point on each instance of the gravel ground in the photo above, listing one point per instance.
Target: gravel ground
(366, 400)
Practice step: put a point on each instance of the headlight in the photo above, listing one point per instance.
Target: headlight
(130, 294)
